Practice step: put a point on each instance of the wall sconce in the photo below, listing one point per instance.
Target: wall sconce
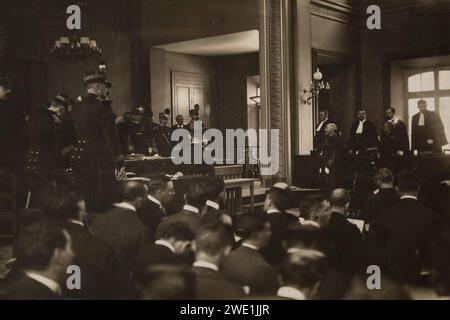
(257, 99)
(316, 86)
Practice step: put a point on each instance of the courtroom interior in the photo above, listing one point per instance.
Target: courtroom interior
(249, 149)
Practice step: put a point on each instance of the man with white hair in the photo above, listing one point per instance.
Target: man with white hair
(331, 155)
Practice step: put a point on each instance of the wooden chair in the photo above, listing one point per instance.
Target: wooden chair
(234, 183)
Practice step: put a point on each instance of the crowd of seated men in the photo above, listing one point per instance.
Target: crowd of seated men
(136, 250)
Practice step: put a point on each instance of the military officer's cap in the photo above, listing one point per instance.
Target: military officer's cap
(96, 77)
(62, 99)
(163, 116)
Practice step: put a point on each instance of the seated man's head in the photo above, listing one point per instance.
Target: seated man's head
(408, 183)
(213, 243)
(303, 270)
(63, 202)
(299, 237)
(340, 201)
(46, 249)
(161, 188)
(177, 233)
(213, 188)
(254, 228)
(196, 195)
(384, 178)
(166, 283)
(278, 197)
(133, 192)
(315, 208)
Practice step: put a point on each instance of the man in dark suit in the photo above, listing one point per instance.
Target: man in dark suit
(195, 199)
(173, 239)
(384, 197)
(44, 252)
(122, 229)
(179, 123)
(403, 232)
(363, 135)
(319, 137)
(427, 132)
(94, 257)
(246, 265)
(394, 136)
(212, 244)
(213, 211)
(160, 194)
(277, 201)
(301, 273)
(98, 155)
(346, 251)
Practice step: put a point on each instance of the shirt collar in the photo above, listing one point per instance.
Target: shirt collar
(393, 120)
(166, 244)
(272, 210)
(190, 208)
(309, 222)
(291, 293)
(362, 121)
(153, 199)
(250, 246)
(204, 264)
(76, 222)
(212, 204)
(408, 197)
(125, 205)
(49, 283)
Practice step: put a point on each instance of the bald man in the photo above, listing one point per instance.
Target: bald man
(346, 252)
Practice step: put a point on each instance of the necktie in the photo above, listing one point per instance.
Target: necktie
(421, 120)
(359, 130)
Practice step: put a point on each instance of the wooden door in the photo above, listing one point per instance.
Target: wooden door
(189, 89)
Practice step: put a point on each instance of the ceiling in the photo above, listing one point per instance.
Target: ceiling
(223, 45)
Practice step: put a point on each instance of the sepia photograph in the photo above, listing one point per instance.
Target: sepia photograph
(230, 156)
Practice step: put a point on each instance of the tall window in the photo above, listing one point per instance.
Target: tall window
(432, 85)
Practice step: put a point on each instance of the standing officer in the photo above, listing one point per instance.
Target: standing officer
(394, 136)
(163, 143)
(428, 132)
(319, 137)
(98, 155)
(363, 135)
(12, 130)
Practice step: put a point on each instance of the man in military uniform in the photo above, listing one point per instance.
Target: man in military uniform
(98, 154)
(46, 152)
(12, 130)
(150, 133)
(163, 143)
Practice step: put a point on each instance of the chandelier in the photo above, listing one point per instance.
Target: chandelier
(315, 88)
(66, 48)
